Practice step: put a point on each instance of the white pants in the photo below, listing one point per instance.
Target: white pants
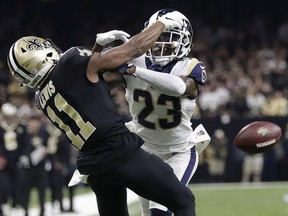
(184, 165)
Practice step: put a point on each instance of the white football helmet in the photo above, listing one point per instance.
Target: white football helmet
(31, 59)
(173, 43)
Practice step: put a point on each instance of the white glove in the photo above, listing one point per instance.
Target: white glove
(107, 37)
(171, 20)
(77, 178)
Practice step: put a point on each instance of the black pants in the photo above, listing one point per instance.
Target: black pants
(149, 177)
(34, 177)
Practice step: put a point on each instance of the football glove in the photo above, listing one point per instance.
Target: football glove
(122, 69)
(107, 37)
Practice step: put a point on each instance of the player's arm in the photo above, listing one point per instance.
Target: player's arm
(165, 83)
(173, 85)
(135, 47)
(191, 89)
(168, 84)
(119, 55)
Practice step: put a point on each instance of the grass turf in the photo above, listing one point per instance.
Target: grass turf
(236, 199)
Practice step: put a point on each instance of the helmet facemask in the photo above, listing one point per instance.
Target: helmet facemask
(173, 44)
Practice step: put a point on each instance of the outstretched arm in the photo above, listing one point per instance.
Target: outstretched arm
(167, 83)
(119, 55)
(136, 46)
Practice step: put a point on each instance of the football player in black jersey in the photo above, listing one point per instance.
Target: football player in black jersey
(75, 97)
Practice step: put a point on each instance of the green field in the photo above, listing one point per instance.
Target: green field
(229, 199)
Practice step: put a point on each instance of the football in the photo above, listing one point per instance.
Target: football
(258, 137)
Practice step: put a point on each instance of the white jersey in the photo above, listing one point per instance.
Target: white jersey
(163, 122)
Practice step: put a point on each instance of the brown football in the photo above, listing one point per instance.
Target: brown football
(257, 137)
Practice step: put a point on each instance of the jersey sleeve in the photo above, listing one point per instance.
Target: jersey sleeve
(197, 71)
(75, 55)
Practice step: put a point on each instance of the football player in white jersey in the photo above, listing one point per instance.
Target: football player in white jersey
(161, 89)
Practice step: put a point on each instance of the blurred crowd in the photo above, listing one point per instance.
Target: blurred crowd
(33, 154)
(246, 60)
(247, 71)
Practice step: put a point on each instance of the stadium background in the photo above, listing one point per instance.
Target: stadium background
(243, 43)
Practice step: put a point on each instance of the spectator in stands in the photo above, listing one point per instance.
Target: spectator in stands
(13, 139)
(33, 161)
(252, 168)
(217, 153)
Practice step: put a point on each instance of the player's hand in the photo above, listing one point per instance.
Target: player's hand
(126, 69)
(107, 37)
(171, 20)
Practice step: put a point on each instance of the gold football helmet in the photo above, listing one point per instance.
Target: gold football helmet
(31, 59)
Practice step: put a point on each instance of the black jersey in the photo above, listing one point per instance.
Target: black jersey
(85, 112)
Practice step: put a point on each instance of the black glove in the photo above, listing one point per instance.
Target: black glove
(122, 69)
